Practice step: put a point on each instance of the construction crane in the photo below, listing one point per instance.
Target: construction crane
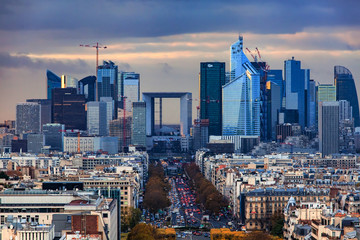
(97, 46)
(252, 55)
(78, 136)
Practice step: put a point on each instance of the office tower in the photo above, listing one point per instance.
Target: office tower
(35, 143)
(273, 94)
(54, 135)
(118, 126)
(241, 104)
(96, 118)
(328, 127)
(45, 108)
(296, 82)
(109, 111)
(69, 82)
(68, 108)
(346, 128)
(120, 90)
(346, 90)
(109, 145)
(345, 110)
(212, 78)
(53, 81)
(276, 76)
(131, 86)
(237, 59)
(28, 118)
(107, 80)
(18, 145)
(87, 86)
(200, 133)
(311, 105)
(283, 131)
(326, 93)
(261, 68)
(139, 123)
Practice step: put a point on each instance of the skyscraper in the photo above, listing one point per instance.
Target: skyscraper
(96, 118)
(328, 127)
(131, 83)
(346, 90)
(212, 78)
(87, 87)
(326, 93)
(311, 105)
(273, 92)
(28, 118)
(109, 111)
(139, 123)
(107, 80)
(54, 135)
(53, 81)
(241, 104)
(68, 108)
(297, 82)
(345, 110)
(45, 107)
(237, 59)
(69, 82)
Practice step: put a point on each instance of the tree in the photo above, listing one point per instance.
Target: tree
(130, 219)
(4, 175)
(142, 231)
(257, 235)
(277, 224)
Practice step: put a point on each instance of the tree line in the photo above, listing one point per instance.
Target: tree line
(143, 231)
(207, 194)
(156, 190)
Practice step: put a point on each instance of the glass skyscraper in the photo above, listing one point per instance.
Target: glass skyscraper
(241, 96)
(53, 81)
(107, 79)
(131, 83)
(97, 118)
(212, 78)
(87, 87)
(237, 59)
(241, 103)
(346, 90)
(139, 124)
(296, 86)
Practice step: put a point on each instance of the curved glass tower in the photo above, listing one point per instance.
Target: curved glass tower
(346, 90)
(53, 81)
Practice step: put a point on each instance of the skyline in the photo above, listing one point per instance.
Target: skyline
(167, 55)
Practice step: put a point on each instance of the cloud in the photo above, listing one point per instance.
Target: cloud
(124, 67)
(24, 61)
(165, 68)
(121, 19)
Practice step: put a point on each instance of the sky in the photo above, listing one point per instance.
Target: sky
(165, 41)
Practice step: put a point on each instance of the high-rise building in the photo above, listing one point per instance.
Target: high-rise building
(68, 108)
(345, 110)
(107, 80)
(45, 107)
(237, 59)
(54, 135)
(53, 81)
(311, 105)
(328, 127)
(326, 93)
(131, 85)
(212, 78)
(35, 143)
(69, 82)
(297, 83)
(87, 87)
(139, 123)
(117, 128)
(346, 90)
(241, 104)
(97, 118)
(200, 133)
(28, 118)
(273, 92)
(109, 111)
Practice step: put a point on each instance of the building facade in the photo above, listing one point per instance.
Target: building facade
(139, 124)
(97, 118)
(346, 90)
(28, 118)
(54, 135)
(53, 81)
(328, 127)
(212, 78)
